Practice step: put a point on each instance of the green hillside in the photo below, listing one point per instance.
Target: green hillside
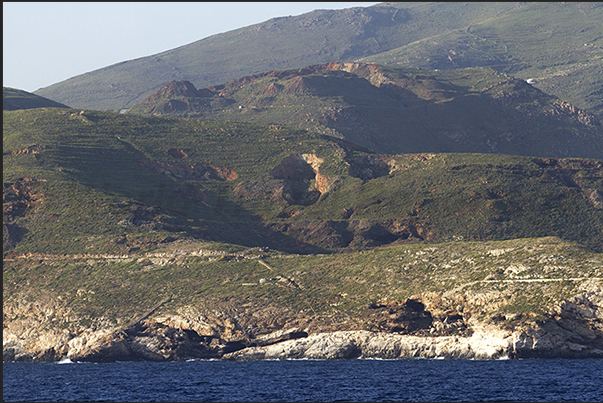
(78, 181)
(266, 290)
(97, 177)
(13, 99)
(432, 170)
(557, 44)
(396, 110)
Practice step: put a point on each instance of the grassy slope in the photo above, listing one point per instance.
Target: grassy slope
(336, 287)
(93, 182)
(475, 196)
(13, 99)
(97, 198)
(559, 45)
(404, 110)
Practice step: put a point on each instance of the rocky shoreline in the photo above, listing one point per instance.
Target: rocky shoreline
(574, 329)
(486, 345)
(178, 345)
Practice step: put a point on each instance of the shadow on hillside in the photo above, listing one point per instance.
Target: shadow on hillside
(11, 236)
(206, 210)
(203, 215)
(149, 200)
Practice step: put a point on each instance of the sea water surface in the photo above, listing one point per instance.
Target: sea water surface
(412, 380)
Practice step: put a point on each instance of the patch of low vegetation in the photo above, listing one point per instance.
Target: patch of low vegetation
(92, 167)
(515, 277)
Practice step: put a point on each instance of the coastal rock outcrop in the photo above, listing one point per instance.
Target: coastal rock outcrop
(419, 327)
(366, 344)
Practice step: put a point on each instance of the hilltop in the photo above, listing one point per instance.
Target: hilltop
(557, 45)
(13, 99)
(393, 110)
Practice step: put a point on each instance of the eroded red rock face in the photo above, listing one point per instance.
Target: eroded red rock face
(222, 173)
(176, 88)
(18, 199)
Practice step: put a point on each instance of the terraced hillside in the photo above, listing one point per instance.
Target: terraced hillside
(79, 181)
(396, 110)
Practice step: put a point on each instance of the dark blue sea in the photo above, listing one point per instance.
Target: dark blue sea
(414, 380)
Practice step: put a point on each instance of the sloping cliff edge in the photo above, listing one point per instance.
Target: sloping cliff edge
(572, 329)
